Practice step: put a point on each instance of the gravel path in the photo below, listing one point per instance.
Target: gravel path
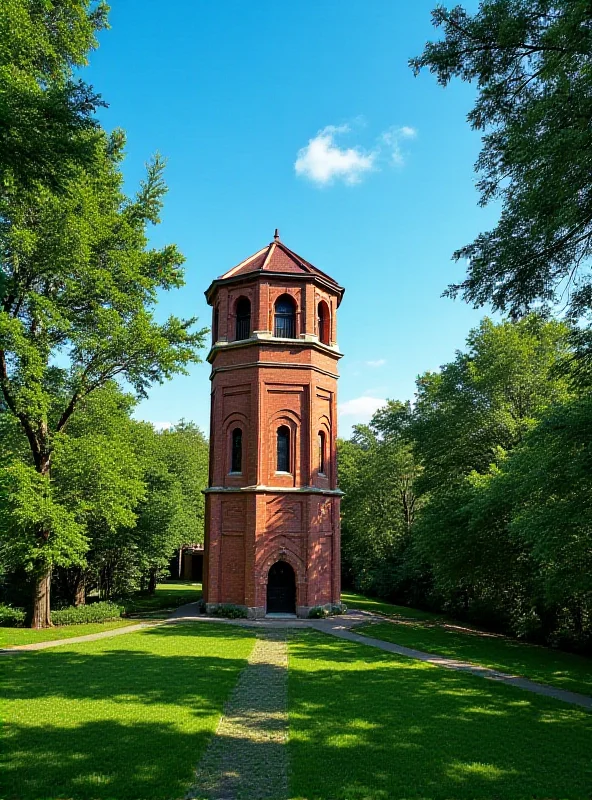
(247, 758)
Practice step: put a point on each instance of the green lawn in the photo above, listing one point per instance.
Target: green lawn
(171, 594)
(366, 725)
(355, 600)
(10, 637)
(127, 717)
(554, 667)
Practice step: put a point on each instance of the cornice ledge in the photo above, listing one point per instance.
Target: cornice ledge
(260, 488)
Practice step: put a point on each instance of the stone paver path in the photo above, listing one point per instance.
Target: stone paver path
(449, 663)
(247, 758)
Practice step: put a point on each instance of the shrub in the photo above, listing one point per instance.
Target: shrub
(94, 612)
(230, 611)
(318, 612)
(11, 617)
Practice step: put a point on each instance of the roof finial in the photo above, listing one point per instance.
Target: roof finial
(276, 235)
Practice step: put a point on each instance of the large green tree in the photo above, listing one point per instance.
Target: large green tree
(531, 61)
(78, 312)
(46, 113)
(377, 472)
(468, 417)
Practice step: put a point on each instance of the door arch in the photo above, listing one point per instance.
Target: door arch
(281, 589)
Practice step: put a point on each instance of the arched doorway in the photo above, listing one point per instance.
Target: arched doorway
(281, 589)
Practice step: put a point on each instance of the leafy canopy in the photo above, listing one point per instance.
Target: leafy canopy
(532, 63)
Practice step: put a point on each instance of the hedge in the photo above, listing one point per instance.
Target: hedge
(11, 617)
(93, 612)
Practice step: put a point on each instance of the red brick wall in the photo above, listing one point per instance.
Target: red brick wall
(258, 385)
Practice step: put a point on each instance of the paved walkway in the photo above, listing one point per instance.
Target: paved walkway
(335, 626)
(89, 637)
(574, 698)
(247, 759)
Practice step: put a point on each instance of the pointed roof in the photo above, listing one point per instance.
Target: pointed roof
(277, 258)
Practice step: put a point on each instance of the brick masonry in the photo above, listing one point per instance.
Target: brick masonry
(259, 384)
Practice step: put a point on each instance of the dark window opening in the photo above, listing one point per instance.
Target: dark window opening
(283, 449)
(215, 325)
(243, 318)
(237, 451)
(285, 318)
(323, 322)
(321, 452)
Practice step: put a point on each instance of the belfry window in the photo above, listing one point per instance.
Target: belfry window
(215, 325)
(285, 318)
(283, 449)
(243, 318)
(322, 441)
(323, 319)
(236, 462)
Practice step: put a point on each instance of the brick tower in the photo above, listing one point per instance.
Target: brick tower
(272, 506)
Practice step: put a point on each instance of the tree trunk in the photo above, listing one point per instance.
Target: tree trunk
(41, 617)
(152, 581)
(80, 590)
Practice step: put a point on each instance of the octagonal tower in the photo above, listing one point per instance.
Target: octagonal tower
(272, 541)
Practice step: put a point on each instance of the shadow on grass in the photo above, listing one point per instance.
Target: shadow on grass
(122, 718)
(365, 724)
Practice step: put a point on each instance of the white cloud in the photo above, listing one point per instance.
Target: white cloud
(162, 426)
(380, 362)
(360, 408)
(392, 139)
(323, 161)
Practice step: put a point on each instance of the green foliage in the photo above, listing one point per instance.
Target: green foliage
(47, 125)
(502, 488)
(78, 313)
(93, 612)
(531, 61)
(11, 617)
(229, 611)
(377, 471)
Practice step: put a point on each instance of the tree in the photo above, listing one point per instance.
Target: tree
(172, 513)
(78, 313)
(532, 63)
(467, 418)
(377, 472)
(47, 126)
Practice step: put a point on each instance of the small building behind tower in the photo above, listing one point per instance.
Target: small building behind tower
(272, 540)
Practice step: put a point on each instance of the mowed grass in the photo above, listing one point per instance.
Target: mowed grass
(12, 637)
(366, 725)
(126, 717)
(171, 595)
(359, 601)
(542, 664)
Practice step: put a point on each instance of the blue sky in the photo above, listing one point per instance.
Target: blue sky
(303, 116)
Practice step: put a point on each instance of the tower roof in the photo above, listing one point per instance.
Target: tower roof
(277, 258)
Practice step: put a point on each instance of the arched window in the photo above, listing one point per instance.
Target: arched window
(215, 325)
(243, 318)
(236, 463)
(323, 319)
(283, 449)
(322, 443)
(285, 318)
